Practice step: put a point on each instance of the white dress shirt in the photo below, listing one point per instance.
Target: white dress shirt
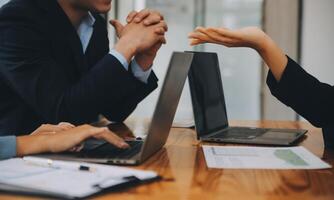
(85, 32)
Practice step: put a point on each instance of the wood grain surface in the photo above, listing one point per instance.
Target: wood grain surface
(185, 175)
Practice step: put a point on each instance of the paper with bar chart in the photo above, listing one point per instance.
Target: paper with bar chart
(234, 157)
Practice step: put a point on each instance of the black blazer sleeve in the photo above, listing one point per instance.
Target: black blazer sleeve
(305, 94)
(37, 79)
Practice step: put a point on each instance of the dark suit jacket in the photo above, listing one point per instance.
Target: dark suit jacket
(307, 96)
(45, 78)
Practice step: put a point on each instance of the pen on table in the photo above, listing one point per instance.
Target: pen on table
(57, 164)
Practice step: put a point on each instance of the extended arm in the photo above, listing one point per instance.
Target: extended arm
(287, 80)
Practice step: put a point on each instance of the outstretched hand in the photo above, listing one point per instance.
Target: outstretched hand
(252, 37)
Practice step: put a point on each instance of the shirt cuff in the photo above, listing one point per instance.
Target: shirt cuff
(139, 73)
(120, 58)
(7, 147)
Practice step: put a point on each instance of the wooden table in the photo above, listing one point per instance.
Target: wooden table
(185, 174)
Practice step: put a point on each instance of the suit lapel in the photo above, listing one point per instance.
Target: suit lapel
(65, 30)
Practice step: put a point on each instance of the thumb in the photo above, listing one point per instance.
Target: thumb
(118, 27)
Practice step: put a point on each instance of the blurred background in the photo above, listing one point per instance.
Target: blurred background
(303, 28)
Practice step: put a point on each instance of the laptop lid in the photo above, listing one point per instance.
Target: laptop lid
(207, 94)
(167, 103)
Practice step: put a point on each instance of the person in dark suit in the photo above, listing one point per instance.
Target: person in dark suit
(56, 65)
(286, 79)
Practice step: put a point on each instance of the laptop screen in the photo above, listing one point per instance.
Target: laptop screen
(207, 93)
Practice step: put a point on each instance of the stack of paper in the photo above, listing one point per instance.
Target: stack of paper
(232, 157)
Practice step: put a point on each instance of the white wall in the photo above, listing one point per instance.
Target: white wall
(318, 39)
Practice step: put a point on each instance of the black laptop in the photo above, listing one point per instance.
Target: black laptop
(210, 109)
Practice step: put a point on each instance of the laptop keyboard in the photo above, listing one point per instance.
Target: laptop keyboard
(108, 151)
(240, 133)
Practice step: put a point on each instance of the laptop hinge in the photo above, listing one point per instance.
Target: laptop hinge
(214, 133)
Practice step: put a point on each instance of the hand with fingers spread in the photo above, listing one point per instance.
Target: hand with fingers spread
(151, 26)
(64, 140)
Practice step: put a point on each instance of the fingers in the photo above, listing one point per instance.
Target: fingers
(66, 125)
(200, 36)
(139, 17)
(219, 39)
(159, 31)
(147, 16)
(211, 35)
(161, 28)
(224, 32)
(162, 24)
(71, 139)
(131, 16)
(162, 39)
(77, 148)
(154, 18)
(118, 27)
(194, 42)
(221, 35)
(112, 138)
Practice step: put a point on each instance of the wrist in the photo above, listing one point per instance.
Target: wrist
(144, 62)
(265, 45)
(125, 48)
(31, 144)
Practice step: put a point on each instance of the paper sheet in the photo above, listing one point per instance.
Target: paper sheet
(261, 158)
(72, 183)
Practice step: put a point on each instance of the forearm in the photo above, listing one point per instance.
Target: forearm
(274, 57)
(31, 144)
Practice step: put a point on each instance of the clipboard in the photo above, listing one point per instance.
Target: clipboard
(20, 177)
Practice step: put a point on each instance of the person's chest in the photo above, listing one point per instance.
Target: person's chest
(67, 50)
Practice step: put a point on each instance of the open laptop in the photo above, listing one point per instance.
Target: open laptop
(103, 152)
(210, 110)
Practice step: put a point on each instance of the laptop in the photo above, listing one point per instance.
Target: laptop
(98, 151)
(210, 114)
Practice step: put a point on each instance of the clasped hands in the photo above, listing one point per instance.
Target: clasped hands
(141, 37)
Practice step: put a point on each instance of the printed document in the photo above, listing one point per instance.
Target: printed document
(233, 157)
